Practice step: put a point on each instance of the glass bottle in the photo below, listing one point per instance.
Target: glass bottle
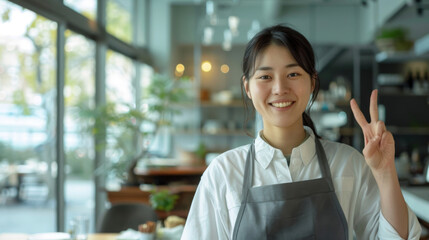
(409, 81)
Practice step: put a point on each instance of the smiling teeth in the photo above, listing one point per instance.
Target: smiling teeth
(282, 104)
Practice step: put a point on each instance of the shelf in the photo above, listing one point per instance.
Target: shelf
(348, 131)
(235, 103)
(224, 132)
(408, 130)
(400, 93)
(220, 132)
(397, 57)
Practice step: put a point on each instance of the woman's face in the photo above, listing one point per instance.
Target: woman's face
(279, 88)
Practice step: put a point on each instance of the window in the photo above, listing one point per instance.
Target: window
(29, 79)
(120, 96)
(119, 19)
(79, 91)
(87, 8)
(27, 120)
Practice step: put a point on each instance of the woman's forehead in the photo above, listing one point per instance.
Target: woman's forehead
(274, 54)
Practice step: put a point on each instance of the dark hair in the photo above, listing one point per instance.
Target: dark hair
(300, 49)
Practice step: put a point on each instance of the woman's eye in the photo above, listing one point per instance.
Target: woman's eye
(264, 77)
(293, 75)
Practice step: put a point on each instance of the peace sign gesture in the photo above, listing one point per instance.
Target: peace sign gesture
(379, 150)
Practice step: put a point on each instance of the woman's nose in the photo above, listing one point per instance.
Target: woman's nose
(280, 86)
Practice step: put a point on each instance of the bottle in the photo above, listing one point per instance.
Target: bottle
(409, 81)
(426, 163)
(416, 167)
(403, 166)
(417, 84)
(426, 82)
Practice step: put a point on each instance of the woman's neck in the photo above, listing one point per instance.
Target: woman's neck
(284, 139)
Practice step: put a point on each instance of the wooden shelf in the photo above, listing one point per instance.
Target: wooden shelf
(408, 130)
(400, 93)
(235, 104)
(170, 171)
(398, 57)
(224, 132)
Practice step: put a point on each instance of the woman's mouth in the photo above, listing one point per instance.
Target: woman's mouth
(281, 104)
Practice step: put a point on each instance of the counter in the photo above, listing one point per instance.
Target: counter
(417, 199)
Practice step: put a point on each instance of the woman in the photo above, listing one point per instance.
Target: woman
(290, 184)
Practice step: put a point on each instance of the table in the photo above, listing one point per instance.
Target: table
(136, 194)
(166, 175)
(417, 199)
(93, 236)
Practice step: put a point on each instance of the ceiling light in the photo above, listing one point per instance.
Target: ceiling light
(224, 68)
(206, 66)
(180, 67)
(233, 22)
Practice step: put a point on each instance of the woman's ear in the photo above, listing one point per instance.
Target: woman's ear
(313, 82)
(246, 87)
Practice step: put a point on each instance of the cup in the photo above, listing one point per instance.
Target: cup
(80, 228)
(147, 236)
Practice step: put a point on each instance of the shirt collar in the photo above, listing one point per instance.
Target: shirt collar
(305, 152)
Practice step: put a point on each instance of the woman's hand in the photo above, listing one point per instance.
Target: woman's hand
(379, 150)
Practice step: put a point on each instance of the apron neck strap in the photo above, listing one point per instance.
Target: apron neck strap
(248, 173)
(323, 162)
(250, 159)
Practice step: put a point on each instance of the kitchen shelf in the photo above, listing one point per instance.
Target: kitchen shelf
(225, 132)
(236, 103)
(399, 93)
(408, 130)
(398, 57)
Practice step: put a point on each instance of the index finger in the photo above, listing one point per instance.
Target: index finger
(373, 108)
(357, 113)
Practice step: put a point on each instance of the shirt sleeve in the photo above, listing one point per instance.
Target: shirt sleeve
(369, 221)
(388, 232)
(206, 218)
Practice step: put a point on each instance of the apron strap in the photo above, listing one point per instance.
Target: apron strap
(248, 173)
(247, 184)
(323, 163)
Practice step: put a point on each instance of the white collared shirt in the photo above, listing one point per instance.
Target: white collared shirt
(217, 200)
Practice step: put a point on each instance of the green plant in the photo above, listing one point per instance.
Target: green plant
(201, 150)
(163, 200)
(392, 33)
(393, 39)
(124, 127)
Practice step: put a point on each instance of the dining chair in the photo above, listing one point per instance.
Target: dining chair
(122, 216)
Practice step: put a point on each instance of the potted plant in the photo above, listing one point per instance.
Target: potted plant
(393, 40)
(135, 126)
(163, 200)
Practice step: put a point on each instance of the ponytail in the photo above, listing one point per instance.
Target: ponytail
(309, 123)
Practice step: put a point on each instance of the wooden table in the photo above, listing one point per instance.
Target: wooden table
(167, 175)
(93, 236)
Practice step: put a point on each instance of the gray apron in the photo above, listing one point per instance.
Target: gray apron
(298, 210)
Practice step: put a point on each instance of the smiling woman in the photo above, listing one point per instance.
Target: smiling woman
(289, 181)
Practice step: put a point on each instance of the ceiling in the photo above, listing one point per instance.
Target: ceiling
(323, 22)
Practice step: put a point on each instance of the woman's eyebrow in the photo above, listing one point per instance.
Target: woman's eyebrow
(265, 68)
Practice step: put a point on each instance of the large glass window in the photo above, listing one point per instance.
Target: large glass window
(27, 120)
(119, 19)
(28, 110)
(79, 91)
(87, 8)
(120, 99)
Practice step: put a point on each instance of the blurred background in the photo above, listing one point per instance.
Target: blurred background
(95, 94)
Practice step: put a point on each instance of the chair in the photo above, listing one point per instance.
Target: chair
(121, 216)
